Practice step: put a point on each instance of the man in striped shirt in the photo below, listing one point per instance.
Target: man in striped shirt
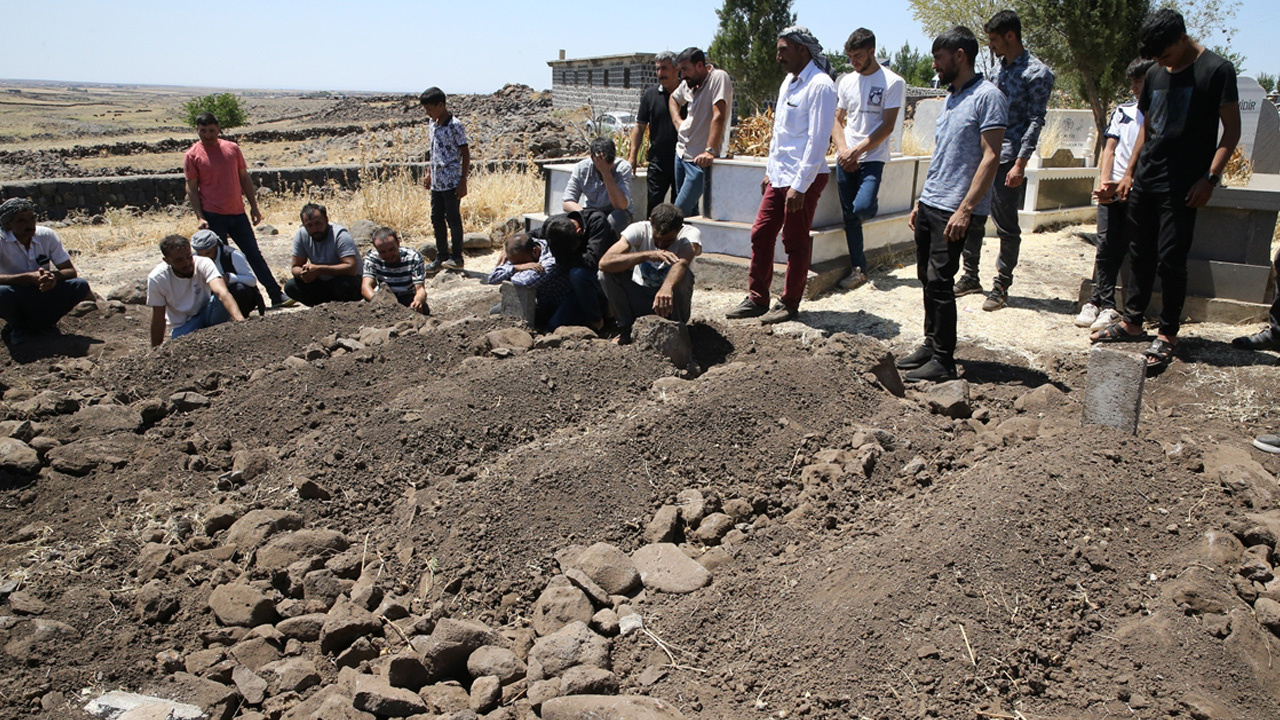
(400, 269)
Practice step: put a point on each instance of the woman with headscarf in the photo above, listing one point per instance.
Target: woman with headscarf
(38, 283)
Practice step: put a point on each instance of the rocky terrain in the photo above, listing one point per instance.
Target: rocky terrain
(357, 512)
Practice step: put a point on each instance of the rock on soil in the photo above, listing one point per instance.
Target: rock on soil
(610, 568)
(593, 707)
(665, 568)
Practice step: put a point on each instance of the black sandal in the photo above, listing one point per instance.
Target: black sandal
(1115, 332)
(1159, 355)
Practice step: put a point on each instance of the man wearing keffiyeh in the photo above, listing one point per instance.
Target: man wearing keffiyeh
(795, 175)
(38, 283)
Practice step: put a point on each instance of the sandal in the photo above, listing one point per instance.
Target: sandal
(1115, 332)
(1158, 355)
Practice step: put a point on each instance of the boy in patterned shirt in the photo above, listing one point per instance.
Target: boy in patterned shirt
(446, 178)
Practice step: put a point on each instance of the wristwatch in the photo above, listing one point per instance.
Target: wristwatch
(1214, 180)
(712, 152)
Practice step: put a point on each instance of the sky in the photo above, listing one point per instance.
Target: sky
(407, 45)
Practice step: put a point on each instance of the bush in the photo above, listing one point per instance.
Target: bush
(226, 107)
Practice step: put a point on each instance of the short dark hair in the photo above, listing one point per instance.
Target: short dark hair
(172, 244)
(432, 96)
(1138, 68)
(958, 38)
(1161, 29)
(691, 54)
(520, 242)
(563, 239)
(860, 39)
(604, 146)
(383, 233)
(1003, 22)
(666, 218)
(311, 209)
(207, 118)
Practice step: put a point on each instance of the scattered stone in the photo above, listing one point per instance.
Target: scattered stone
(43, 639)
(605, 622)
(405, 670)
(216, 700)
(446, 650)
(692, 506)
(714, 558)
(486, 692)
(663, 567)
(713, 527)
(252, 688)
(543, 690)
(586, 680)
(255, 652)
(576, 332)
(595, 593)
(558, 606)
(1042, 399)
(290, 675)
(18, 457)
(117, 703)
(950, 399)
(608, 707)
(498, 662)
(668, 338)
(252, 463)
(1268, 614)
(1018, 429)
(610, 568)
(303, 627)
(265, 229)
(285, 549)
(81, 457)
(362, 230)
(573, 644)
(134, 293)
(24, 603)
(309, 489)
(345, 623)
(154, 603)
(665, 525)
(373, 694)
(446, 698)
(256, 526)
(360, 651)
(1113, 388)
(241, 606)
(476, 241)
(886, 373)
(515, 340)
(222, 516)
(187, 401)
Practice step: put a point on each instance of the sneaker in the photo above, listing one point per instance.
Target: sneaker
(434, 266)
(779, 313)
(453, 264)
(283, 302)
(1088, 315)
(746, 309)
(932, 371)
(997, 298)
(1268, 443)
(922, 355)
(854, 280)
(967, 285)
(1105, 318)
(1257, 341)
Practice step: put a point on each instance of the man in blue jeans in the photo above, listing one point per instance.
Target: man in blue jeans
(868, 101)
(706, 94)
(186, 292)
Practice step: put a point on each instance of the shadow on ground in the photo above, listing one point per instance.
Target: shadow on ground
(710, 347)
(860, 322)
(48, 346)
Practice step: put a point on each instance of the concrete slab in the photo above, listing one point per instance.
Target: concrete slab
(1197, 309)
(715, 271)
(1113, 388)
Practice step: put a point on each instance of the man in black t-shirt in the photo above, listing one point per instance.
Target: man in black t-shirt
(1179, 161)
(655, 115)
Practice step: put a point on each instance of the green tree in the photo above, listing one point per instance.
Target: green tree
(839, 63)
(745, 45)
(226, 107)
(914, 66)
(1267, 81)
(1236, 59)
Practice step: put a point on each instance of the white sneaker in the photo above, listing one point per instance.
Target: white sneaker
(1088, 314)
(1105, 319)
(854, 280)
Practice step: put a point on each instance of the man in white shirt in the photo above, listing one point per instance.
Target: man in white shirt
(794, 177)
(647, 272)
(187, 291)
(867, 109)
(38, 283)
(702, 135)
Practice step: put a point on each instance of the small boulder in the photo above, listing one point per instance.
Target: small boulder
(712, 528)
(290, 675)
(187, 401)
(573, 644)
(498, 662)
(252, 687)
(587, 680)
(558, 606)
(155, 604)
(451, 642)
(486, 692)
(344, 624)
(374, 695)
(256, 526)
(663, 567)
(666, 337)
(106, 419)
(283, 550)
(241, 606)
(608, 707)
(950, 398)
(610, 568)
(665, 525)
(18, 457)
(512, 339)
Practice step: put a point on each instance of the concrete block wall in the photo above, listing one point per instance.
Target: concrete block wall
(606, 83)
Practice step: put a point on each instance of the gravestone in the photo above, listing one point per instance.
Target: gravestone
(1259, 127)
(1113, 388)
(1071, 130)
(519, 301)
(925, 123)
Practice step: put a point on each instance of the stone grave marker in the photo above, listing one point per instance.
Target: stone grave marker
(1113, 388)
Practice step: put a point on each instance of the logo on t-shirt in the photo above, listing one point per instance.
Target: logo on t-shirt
(875, 98)
(1169, 110)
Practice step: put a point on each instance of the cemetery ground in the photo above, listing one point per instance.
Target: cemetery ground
(355, 512)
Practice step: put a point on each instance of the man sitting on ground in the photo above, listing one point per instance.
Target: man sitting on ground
(326, 263)
(578, 240)
(234, 268)
(38, 283)
(527, 262)
(648, 270)
(601, 182)
(401, 269)
(187, 291)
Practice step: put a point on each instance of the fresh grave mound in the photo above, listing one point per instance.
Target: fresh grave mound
(357, 512)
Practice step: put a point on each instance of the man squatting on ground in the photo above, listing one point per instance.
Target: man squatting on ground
(446, 177)
(1027, 85)
(654, 115)
(700, 109)
(794, 177)
(868, 101)
(601, 183)
(326, 263)
(527, 261)
(400, 269)
(38, 283)
(647, 272)
(216, 178)
(234, 268)
(956, 197)
(578, 240)
(1180, 161)
(186, 292)
(1113, 213)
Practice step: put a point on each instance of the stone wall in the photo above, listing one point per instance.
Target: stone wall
(58, 198)
(607, 84)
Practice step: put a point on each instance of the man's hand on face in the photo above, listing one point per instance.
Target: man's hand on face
(601, 163)
(663, 256)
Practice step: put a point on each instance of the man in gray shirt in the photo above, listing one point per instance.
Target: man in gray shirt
(601, 182)
(326, 262)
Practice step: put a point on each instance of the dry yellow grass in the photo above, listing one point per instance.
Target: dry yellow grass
(912, 142)
(125, 229)
(754, 135)
(1238, 170)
